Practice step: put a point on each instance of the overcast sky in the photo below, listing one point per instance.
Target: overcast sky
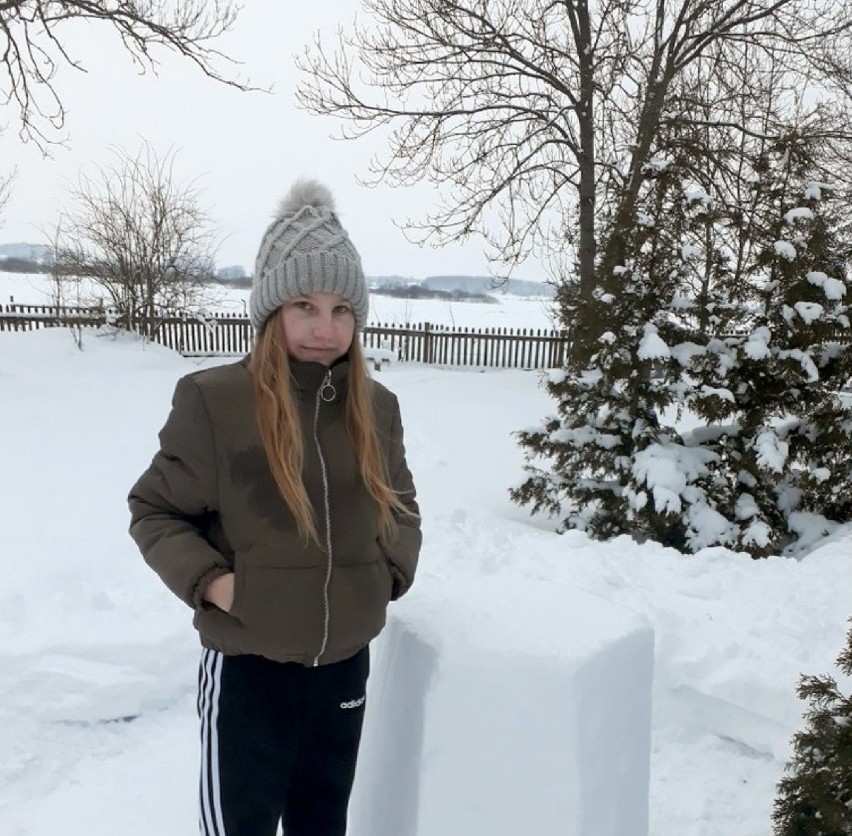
(244, 150)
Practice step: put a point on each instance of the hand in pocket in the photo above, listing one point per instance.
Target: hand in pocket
(220, 592)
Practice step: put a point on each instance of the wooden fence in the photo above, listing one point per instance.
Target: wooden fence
(227, 334)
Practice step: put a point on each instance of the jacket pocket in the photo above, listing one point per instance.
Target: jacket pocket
(389, 571)
(239, 584)
(359, 598)
(396, 575)
(280, 608)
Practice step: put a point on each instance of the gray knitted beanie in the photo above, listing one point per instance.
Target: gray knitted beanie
(306, 250)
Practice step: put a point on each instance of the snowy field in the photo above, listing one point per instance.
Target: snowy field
(97, 719)
(507, 312)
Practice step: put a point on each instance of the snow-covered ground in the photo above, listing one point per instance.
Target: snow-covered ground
(97, 718)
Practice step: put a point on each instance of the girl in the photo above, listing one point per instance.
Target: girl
(281, 509)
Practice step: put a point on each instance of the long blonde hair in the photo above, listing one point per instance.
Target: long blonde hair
(281, 431)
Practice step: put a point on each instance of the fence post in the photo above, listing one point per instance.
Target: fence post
(427, 343)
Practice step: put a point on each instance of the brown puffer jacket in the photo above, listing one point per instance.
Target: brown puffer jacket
(208, 505)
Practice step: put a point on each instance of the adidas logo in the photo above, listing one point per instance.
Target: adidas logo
(354, 703)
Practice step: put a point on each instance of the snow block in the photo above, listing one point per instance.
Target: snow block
(505, 706)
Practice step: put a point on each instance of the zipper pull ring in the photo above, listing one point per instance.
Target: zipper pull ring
(327, 391)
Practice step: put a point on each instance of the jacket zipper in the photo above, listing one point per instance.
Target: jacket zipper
(327, 393)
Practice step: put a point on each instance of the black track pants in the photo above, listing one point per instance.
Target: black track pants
(278, 741)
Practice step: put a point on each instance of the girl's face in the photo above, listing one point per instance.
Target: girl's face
(318, 327)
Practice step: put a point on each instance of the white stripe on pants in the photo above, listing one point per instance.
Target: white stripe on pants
(210, 822)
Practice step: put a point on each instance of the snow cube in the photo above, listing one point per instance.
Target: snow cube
(502, 706)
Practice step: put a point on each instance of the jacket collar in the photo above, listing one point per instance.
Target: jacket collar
(308, 377)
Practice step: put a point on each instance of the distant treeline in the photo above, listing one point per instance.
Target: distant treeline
(413, 291)
(399, 290)
(11, 264)
(14, 264)
(241, 282)
(416, 291)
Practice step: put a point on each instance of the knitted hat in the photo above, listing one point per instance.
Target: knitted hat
(306, 250)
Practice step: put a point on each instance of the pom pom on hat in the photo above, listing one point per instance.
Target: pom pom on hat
(305, 193)
(306, 250)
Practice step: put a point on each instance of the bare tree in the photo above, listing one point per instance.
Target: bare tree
(6, 182)
(537, 117)
(35, 40)
(65, 289)
(139, 235)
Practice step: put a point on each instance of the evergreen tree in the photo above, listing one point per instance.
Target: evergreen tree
(611, 465)
(820, 433)
(815, 796)
(759, 355)
(786, 435)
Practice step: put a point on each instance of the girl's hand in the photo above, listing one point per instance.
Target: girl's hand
(220, 592)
